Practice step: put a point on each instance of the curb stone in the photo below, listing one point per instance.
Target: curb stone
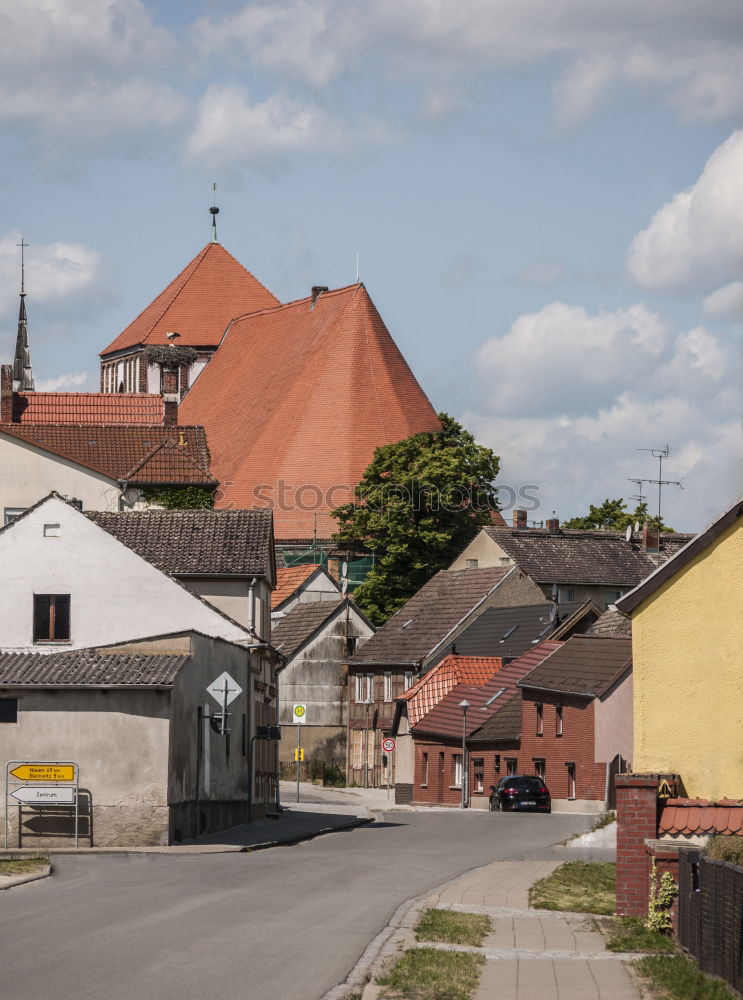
(15, 880)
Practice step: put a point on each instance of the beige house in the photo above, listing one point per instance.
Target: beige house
(138, 721)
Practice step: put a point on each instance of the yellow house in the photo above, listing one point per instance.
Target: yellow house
(687, 651)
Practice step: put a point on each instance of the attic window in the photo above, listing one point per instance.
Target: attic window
(492, 699)
(508, 632)
(51, 531)
(408, 623)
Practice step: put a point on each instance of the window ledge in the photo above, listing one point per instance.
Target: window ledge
(455, 788)
(52, 642)
(424, 786)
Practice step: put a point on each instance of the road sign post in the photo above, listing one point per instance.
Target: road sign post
(299, 715)
(388, 746)
(41, 783)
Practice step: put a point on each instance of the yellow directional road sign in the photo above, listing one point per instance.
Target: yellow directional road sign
(44, 772)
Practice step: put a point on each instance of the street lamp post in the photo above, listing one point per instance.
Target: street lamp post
(464, 705)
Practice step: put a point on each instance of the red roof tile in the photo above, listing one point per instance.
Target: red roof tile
(198, 304)
(690, 816)
(88, 408)
(439, 681)
(289, 579)
(327, 386)
(136, 453)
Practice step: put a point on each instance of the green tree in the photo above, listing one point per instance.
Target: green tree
(180, 497)
(614, 516)
(419, 503)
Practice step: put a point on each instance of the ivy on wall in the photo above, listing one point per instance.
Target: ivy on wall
(180, 497)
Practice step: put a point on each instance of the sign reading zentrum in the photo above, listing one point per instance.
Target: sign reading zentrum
(33, 785)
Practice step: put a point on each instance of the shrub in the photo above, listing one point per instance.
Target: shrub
(726, 848)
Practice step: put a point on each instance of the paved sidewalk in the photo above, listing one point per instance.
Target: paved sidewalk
(533, 954)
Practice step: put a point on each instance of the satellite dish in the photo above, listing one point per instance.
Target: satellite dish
(344, 584)
(628, 533)
(554, 591)
(637, 525)
(344, 568)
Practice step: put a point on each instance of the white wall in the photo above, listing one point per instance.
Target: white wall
(28, 474)
(114, 594)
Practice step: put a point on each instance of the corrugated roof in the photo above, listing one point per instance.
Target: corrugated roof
(688, 816)
(419, 626)
(289, 579)
(326, 386)
(195, 542)
(510, 631)
(89, 668)
(612, 625)
(439, 681)
(198, 304)
(293, 630)
(137, 453)
(88, 408)
(445, 719)
(591, 558)
(584, 665)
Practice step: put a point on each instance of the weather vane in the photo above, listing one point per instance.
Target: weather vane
(214, 213)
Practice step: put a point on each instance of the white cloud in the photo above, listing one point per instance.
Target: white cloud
(695, 241)
(626, 381)
(230, 128)
(726, 301)
(62, 383)
(687, 52)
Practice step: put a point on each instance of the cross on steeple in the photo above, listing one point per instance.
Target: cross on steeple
(23, 376)
(214, 213)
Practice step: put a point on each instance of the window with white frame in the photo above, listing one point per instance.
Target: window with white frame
(408, 681)
(424, 770)
(558, 720)
(571, 779)
(540, 718)
(478, 774)
(457, 770)
(540, 768)
(388, 687)
(364, 688)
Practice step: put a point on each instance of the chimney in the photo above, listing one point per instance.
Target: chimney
(553, 525)
(650, 538)
(6, 394)
(519, 519)
(317, 291)
(170, 416)
(181, 439)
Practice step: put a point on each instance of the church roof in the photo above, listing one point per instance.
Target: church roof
(297, 398)
(199, 304)
(88, 408)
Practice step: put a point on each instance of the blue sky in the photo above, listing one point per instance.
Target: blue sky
(547, 198)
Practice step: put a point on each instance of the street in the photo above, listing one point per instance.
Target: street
(288, 922)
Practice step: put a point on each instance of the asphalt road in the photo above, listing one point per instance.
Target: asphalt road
(285, 923)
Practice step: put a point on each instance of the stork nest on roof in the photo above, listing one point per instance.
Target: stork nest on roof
(170, 355)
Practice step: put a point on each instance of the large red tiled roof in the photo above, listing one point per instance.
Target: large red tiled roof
(302, 395)
(135, 453)
(439, 681)
(686, 816)
(88, 408)
(198, 304)
(289, 579)
(445, 718)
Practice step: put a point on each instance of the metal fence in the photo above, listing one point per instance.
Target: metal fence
(710, 915)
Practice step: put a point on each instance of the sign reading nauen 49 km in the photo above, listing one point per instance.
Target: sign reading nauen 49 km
(44, 772)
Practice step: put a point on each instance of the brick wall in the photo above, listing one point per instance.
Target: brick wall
(637, 821)
(6, 394)
(575, 745)
(440, 789)
(666, 860)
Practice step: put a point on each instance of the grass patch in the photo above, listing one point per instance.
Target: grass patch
(681, 978)
(581, 886)
(430, 974)
(631, 934)
(24, 865)
(453, 927)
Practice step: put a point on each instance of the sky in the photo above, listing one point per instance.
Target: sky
(546, 197)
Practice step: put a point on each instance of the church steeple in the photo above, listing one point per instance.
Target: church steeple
(23, 376)
(214, 213)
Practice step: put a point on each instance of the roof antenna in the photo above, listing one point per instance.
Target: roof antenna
(23, 377)
(214, 213)
(661, 454)
(358, 255)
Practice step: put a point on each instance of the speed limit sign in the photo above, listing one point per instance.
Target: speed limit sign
(388, 745)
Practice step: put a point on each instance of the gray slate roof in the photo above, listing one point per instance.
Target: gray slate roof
(612, 625)
(293, 630)
(509, 632)
(430, 614)
(591, 558)
(505, 724)
(584, 665)
(196, 542)
(89, 668)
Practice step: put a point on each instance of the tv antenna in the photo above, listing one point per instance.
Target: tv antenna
(639, 497)
(661, 454)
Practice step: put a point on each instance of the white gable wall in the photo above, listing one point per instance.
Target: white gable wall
(30, 473)
(114, 594)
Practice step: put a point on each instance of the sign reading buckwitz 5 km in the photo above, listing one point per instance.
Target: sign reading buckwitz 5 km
(44, 772)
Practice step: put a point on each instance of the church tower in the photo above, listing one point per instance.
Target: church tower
(23, 376)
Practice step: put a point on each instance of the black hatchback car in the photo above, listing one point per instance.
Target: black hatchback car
(520, 791)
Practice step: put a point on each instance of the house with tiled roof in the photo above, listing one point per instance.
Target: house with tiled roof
(411, 642)
(572, 565)
(302, 584)
(104, 466)
(74, 580)
(316, 639)
(450, 745)
(150, 766)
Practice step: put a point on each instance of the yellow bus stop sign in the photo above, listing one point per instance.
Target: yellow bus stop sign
(44, 772)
